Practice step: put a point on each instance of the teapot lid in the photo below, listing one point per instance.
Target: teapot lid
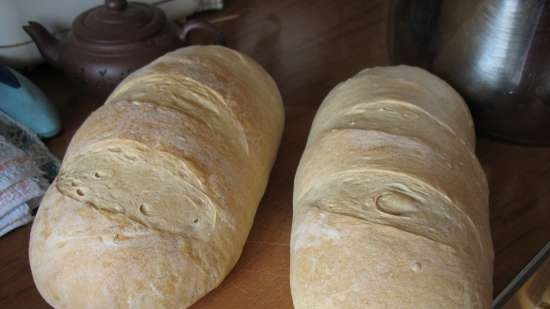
(118, 22)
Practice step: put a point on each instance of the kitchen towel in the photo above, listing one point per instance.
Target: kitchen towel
(26, 169)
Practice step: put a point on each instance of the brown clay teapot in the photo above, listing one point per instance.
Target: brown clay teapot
(109, 42)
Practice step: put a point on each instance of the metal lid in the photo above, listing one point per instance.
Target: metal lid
(119, 22)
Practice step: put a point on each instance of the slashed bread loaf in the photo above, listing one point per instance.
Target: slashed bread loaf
(390, 202)
(159, 187)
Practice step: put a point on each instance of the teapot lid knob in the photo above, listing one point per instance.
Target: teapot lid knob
(118, 5)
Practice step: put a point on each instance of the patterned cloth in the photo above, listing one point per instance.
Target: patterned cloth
(21, 192)
(16, 218)
(26, 169)
(28, 142)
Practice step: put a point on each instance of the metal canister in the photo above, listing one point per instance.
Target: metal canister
(494, 52)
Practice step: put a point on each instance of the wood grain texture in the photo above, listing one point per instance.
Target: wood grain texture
(308, 47)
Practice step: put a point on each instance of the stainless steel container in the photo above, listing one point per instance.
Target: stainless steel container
(494, 52)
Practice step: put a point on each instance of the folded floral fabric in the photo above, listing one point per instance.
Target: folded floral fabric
(16, 170)
(15, 165)
(21, 192)
(26, 169)
(19, 216)
(30, 144)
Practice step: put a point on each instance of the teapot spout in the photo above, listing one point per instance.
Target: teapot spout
(48, 45)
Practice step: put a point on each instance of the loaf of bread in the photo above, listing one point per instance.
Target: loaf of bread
(159, 187)
(390, 202)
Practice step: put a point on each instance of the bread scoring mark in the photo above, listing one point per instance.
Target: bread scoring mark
(367, 117)
(398, 214)
(400, 228)
(374, 141)
(414, 112)
(173, 201)
(186, 95)
(392, 81)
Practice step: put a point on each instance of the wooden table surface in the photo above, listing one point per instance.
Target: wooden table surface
(308, 47)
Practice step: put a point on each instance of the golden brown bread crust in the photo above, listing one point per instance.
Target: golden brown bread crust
(159, 187)
(390, 202)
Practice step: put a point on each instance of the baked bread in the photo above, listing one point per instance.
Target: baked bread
(390, 202)
(158, 189)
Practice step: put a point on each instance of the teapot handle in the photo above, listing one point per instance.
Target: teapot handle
(192, 25)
